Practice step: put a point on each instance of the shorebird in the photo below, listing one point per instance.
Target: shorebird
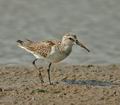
(53, 51)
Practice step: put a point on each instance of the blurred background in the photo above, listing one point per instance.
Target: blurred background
(96, 22)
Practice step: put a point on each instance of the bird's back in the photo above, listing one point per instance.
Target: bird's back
(42, 48)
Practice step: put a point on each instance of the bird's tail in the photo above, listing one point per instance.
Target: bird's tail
(20, 42)
(25, 43)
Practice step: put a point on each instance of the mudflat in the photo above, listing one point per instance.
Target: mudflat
(72, 85)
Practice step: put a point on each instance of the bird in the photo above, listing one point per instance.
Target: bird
(52, 51)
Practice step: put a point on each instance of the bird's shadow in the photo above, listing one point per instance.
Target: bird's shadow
(88, 82)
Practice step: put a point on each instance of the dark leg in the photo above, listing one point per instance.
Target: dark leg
(40, 75)
(48, 70)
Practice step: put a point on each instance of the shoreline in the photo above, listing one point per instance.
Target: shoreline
(72, 85)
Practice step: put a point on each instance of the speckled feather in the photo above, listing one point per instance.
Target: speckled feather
(43, 47)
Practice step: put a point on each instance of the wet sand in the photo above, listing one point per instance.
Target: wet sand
(72, 85)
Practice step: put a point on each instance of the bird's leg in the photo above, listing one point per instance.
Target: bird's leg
(40, 75)
(48, 70)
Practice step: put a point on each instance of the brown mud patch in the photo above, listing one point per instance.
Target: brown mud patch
(72, 85)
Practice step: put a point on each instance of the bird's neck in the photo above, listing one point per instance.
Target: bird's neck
(66, 48)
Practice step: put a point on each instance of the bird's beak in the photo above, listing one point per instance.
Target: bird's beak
(80, 44)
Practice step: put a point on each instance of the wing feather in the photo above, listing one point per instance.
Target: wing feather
(43, 48)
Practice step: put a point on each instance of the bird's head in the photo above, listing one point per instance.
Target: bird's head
(71, 39)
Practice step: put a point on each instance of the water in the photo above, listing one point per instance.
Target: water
(97, 23)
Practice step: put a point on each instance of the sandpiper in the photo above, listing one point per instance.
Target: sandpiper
(53, 51)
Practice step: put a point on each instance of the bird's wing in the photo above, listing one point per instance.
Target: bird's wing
(43, 48)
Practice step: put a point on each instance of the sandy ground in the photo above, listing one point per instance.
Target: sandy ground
(72, 85)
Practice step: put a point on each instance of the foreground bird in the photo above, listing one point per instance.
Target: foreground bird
(53, 51)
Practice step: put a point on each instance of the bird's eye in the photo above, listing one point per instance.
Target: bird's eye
(70, 38)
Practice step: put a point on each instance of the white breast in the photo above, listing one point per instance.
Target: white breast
(56, 55)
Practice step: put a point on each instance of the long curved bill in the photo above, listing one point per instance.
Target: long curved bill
(80, 44)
